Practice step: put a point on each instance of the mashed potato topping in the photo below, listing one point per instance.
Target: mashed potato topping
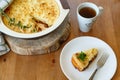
(33, 15)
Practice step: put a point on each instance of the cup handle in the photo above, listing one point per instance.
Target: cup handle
(100, 10)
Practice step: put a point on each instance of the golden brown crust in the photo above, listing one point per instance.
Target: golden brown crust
(31, 13)
(76, 65)
(82, 65)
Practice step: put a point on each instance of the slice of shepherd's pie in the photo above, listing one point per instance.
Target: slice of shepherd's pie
(81, 60)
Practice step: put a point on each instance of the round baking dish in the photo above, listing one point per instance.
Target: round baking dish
(62, 16)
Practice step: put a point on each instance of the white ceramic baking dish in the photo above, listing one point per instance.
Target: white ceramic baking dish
(62, 16)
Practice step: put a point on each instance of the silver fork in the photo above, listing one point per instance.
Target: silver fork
(100, 63)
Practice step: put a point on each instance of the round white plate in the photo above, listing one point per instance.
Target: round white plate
(85, 43)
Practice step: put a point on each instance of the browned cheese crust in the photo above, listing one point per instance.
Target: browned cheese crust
(82, 65)
(38, 15)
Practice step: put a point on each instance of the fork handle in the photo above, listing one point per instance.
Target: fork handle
(93, 74)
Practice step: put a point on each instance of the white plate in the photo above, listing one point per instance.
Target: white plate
(85, 43)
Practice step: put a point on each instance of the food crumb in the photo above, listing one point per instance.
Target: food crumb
(4, 60)
(53, 60)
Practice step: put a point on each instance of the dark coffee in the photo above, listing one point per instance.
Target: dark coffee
(87, 12)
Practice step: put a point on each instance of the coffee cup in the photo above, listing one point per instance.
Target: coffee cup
(87, 14)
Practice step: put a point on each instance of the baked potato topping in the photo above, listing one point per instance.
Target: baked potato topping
(29, 16)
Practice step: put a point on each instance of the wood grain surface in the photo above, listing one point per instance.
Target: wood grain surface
(47, 67)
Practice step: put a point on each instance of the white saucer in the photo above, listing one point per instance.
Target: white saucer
(85, 43)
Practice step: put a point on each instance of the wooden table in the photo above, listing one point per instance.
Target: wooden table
(47, 67)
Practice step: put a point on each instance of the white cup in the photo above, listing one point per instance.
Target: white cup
(86, 22)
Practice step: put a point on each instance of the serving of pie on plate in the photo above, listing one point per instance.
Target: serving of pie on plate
(81, 60)
(82, 44)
